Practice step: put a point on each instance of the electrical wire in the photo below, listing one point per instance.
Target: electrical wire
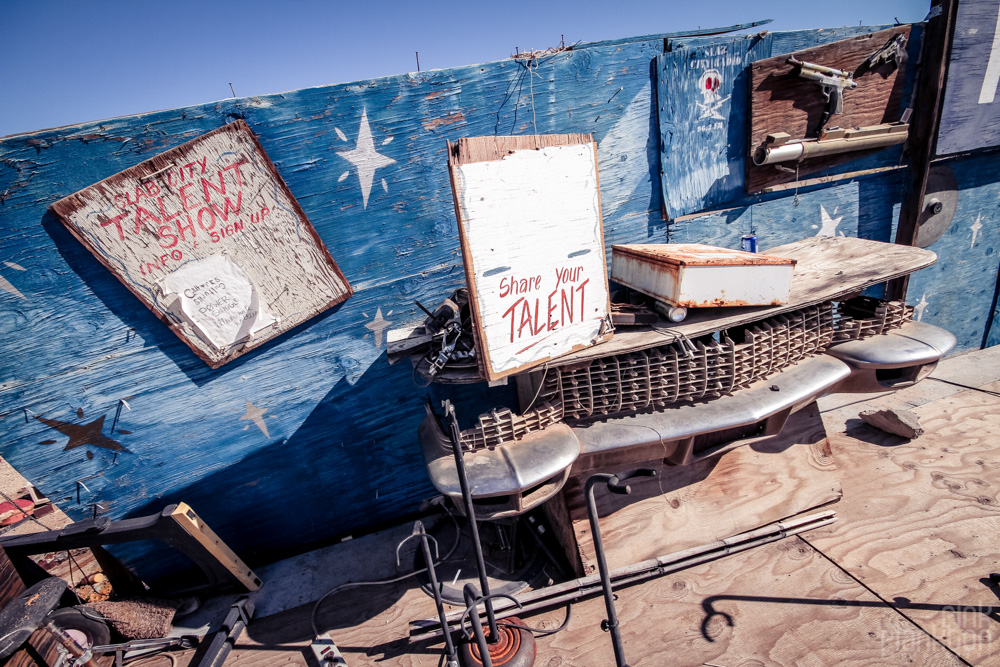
(966, 386)
(357, 584)
(541, 383)
(168, 656)
(542, 632)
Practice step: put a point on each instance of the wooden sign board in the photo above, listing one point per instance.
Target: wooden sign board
(970, 115)
(209, 237)
(782, 101)
(702, 106)
(529, 215)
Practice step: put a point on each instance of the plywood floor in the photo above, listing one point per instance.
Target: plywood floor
(902, 577)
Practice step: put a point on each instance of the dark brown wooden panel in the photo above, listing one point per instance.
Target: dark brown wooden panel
(782, 101)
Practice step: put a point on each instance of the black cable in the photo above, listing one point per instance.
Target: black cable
(356, 584)
(966, 386)
(542, 632)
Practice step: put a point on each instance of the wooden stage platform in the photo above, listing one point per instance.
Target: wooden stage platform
(901, 578)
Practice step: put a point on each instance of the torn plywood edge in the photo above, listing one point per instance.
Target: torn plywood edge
(792, 107)
(529, 215)
(208, 236)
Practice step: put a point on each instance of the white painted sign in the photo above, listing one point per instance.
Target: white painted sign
(534, 250)
(209, 237)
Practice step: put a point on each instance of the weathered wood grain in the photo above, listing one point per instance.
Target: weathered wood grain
(781, 101)
(529, 218)
(317, 414)
(960, 297)
(318, 422)
(920, 519)
(689, 194)
(699, 92)
(687, 506)
(787, 605)
(924, 125)
(252, 269)
(971, 110)
(827, 268)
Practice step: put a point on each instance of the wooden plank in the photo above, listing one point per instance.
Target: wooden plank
(41, 643)
(781, 101)
(729, 160)
(315, 401)
(971, 108)
(686, 506)
(923, 129)
(920, 519)
(529, 220)
(700, 32)
(702, 96)
(957, 292)
(788, 606)
(783, 604)
(255, 270)
(828, 268)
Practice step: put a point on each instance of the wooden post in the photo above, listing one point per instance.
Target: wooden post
(923, 127)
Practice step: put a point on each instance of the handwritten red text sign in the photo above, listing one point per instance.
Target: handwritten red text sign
(212, 212)
(533, 245)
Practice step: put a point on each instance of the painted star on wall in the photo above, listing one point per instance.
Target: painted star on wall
(365, 158)
(5, 284)
(83, 434)
(830, 223)
(256, 415)
(918, 309)
(378, 326)
(975, 227)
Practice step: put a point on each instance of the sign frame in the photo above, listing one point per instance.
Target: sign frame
(470, 150)
(144, 244)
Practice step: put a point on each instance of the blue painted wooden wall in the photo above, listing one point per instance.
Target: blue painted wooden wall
(314, 435)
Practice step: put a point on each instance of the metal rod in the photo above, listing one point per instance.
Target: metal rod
(615, 486)
(469, 592)
(81, 656)
(578, 589)
(611, 624)
(438, 602)
(470, 513)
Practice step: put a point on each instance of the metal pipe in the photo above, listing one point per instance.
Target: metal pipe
(81, 656)
(615, 486)
(802, 150)
(469, 593)
(470, 513)
(438, 602)
(584, 587)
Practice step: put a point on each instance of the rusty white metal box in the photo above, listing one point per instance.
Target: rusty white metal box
(693, 275)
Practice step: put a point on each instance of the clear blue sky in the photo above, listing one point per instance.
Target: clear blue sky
(71, 61)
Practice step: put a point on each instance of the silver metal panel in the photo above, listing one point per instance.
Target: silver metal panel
(797, 386)
(913, 344)
(510, 468)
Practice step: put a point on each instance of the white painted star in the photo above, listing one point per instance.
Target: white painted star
(975, 227)
(378, 326)
(256, 415)
(365, 158)
(919, 308)
(5, 284)
(830, 223)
